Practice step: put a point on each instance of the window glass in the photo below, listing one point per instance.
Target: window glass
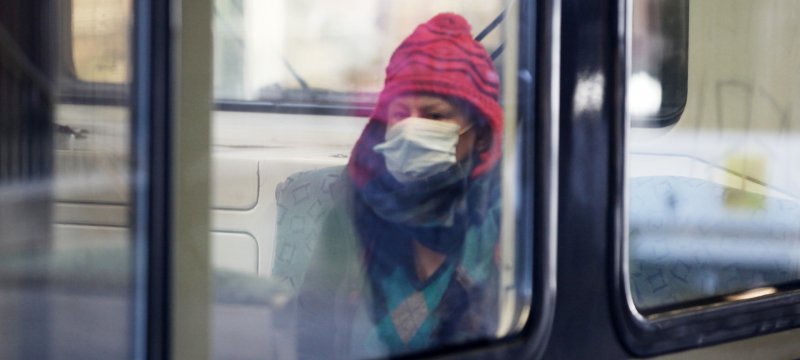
(658, 69)
(299, 50)
(714, 210)
(100, 40)
(363, 236)
(65, 240)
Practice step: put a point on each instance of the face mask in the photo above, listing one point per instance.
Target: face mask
(417, 148)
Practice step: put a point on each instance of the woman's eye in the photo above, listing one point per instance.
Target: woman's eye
(437, 116)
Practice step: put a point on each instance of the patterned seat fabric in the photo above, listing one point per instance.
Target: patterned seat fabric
(692, 239)
(304, 199)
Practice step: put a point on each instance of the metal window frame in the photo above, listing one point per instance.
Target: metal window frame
(668, 116)
(171, 96)
(152, 199)
(701, 324)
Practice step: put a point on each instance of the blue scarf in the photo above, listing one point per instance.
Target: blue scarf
(432, 211)
(441, 213)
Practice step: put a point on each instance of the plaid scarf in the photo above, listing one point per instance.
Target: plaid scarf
(426, 203)
(411, 314)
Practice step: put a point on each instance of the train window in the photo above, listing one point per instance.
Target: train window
(65, 241)
(659, 62)
(714, 201)
(321, 54)
(100, 46)
(381, 228)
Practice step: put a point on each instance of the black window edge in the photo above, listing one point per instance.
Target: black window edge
(691, 324)
(74, 91)
(283, 107)
(671, 112)
(662, 119)
(151, 144)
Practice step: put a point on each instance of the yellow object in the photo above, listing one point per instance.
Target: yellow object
(747, 172)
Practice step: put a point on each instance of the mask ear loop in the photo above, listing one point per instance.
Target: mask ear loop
(466, 129)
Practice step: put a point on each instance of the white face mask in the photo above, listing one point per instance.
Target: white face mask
(417, 148)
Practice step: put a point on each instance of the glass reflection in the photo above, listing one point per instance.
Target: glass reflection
(371, 235)
(64, 181)
(714, 200)
(657, 89)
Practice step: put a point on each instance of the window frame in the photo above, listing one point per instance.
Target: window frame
(671, 116)
(150, 95)
(688, 325)
(152, 143)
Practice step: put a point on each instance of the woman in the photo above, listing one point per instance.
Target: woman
(407, 260)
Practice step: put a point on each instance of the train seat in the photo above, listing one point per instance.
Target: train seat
(692, 238)
(303, 199)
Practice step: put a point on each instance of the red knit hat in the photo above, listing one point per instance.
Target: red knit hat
(441, 58)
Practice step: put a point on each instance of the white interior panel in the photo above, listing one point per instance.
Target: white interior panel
(237, 252)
